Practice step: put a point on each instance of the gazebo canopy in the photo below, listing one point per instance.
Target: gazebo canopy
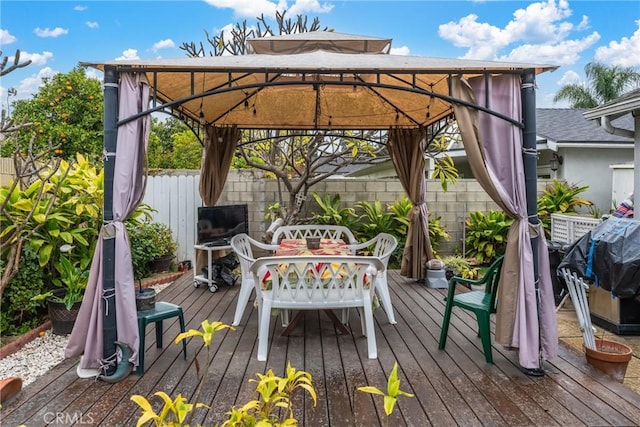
(320, 83)
(314, 88)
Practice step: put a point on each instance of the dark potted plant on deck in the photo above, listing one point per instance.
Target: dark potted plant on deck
(63, 303)
(162, 239)
(152, 247)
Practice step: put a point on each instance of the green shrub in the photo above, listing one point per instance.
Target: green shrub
(331, 213)
(19, 312)
(486, 235)
(368, 219)
(149, 241)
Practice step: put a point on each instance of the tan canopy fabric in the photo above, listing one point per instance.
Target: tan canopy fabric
(314, 40)
(217, 155)
(406, 148)
(319, 89)
(219, 146)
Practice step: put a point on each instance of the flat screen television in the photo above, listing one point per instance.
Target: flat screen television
(218, 224)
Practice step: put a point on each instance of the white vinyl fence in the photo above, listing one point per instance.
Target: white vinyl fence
(176, 200)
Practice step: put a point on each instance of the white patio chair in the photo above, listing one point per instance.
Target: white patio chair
(381, 246)
(243, 246)
(321, 282)
(334, 232)
(578, 291)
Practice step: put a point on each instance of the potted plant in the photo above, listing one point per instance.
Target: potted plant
(63, 303)
(152, 247)
(459, 266)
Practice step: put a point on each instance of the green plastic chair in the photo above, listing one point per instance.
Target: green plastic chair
(482, 303)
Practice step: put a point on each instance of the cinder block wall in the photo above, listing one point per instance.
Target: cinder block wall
(452, 206)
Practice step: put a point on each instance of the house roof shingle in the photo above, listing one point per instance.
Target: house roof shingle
(569, 125)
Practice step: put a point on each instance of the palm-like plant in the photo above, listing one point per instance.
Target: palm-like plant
(604, 83)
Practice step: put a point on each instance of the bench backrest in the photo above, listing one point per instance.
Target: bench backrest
(334, 232)
(321, 281)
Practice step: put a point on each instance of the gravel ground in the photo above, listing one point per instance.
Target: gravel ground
(40, 355)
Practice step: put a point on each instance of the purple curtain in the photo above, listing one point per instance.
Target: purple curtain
(406, 148)
(494, 150)
(128, 190)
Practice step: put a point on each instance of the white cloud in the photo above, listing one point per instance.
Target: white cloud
(483, 40)
(36, 58)
(29, 85)
(6, 37)
(540, 33)
(402, 50)
(625, 53)
(584, 24)
(302, 7)
(92, 73)
(47, 32)
(563, 53)
(569, 78)
(540, 22)
(253, 8)
(92, 24)
(163, 44)
(246, 8)
(128, 54)
(80, 8)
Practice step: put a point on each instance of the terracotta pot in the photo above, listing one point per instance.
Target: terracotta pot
(9, 387)
(611, 357)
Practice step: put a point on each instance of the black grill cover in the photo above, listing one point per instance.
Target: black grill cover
(609, 255)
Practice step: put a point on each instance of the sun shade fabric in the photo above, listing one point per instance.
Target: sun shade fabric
(219, 146)
(128, 190)
(312, 90)
(521, 322)
(217, 155)
(406, 148)
(314, 40)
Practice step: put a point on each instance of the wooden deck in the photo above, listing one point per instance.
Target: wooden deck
(451, 387)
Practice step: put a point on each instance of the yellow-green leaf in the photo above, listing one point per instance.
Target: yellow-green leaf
(389, 403)
(23, 205)
(142, 402)
(370, 389)
(189, 333)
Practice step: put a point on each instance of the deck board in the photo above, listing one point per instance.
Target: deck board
(451, 386)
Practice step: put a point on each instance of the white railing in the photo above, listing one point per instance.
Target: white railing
(569, 228)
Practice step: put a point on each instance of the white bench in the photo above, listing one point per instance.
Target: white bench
(333, 232)
(320, 282)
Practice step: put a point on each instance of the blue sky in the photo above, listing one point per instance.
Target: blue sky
(57, 35)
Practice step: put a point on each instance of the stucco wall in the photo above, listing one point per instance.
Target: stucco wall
(590, 166)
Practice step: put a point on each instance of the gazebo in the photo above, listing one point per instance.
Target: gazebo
(326, 80)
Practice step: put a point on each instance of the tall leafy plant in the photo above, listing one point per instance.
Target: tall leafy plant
(560, 197)
(332, 212)
(486, 235)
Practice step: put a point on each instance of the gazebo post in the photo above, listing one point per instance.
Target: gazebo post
(530, 162)
(109, 242)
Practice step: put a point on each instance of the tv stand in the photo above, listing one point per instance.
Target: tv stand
(209, 247)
